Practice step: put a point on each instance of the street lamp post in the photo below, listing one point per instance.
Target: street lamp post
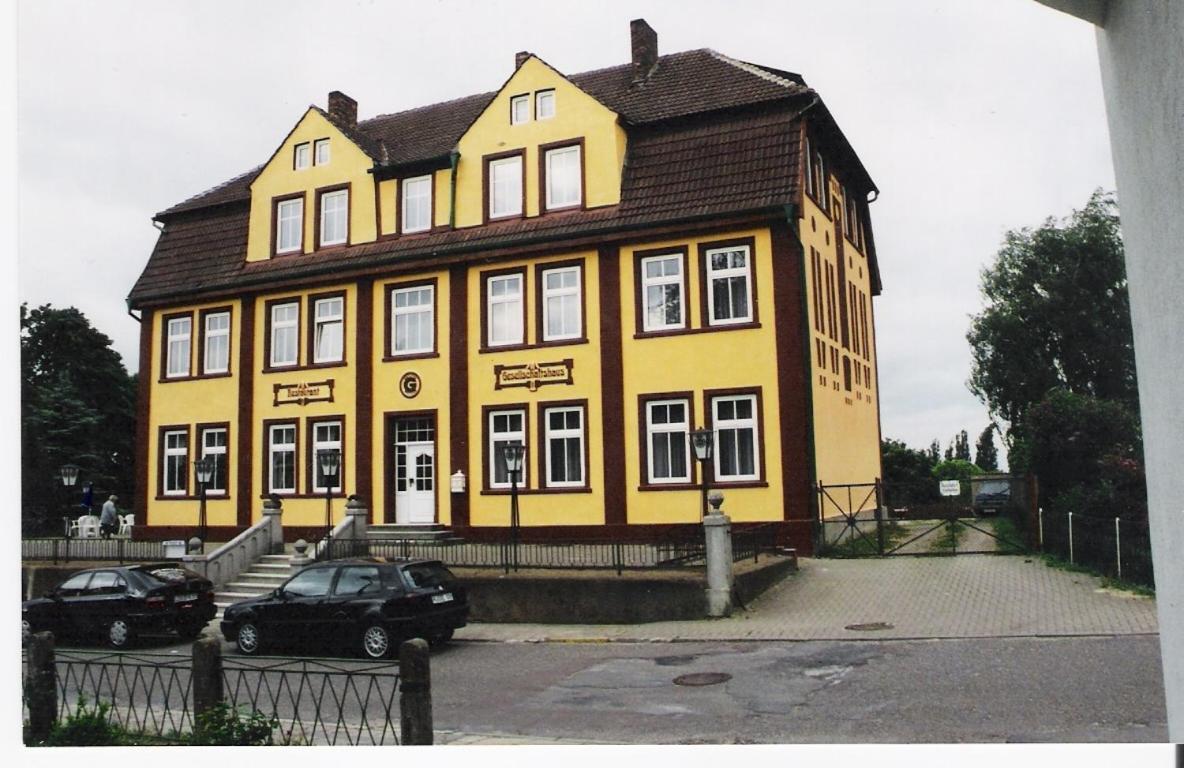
(69, 475)
(329, 460)
(703, 441)
(513, 454)
(204, 469)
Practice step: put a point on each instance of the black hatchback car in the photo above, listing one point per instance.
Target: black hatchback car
(369, 604)
(119, 603)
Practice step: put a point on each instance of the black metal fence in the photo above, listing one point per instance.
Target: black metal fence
(314, 701)
(1110, 545)
(64, 550)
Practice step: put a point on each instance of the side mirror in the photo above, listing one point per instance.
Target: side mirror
(281, 594)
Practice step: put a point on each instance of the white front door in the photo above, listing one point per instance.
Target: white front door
(415, 483)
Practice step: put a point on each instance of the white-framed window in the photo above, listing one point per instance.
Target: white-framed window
(321, 148)
(326, 435)
(729, 280)
(289, 230)
(561, 304)
(281, 458)
(335, 217)
(417, 204)
(176, 462)
(564, 439)
(564, 187)
(663, 292)
(504, 309)
(213, 446)
(544, 104)
(668, 452)
(505, 187)
(328, 330)
(505, 428)
(520, 109)
(302, 156)
(737, 449)
(413, 327)
(285, 334)
(217, 343)
(179, 333)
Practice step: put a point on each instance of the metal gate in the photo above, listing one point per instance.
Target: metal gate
(988, 516)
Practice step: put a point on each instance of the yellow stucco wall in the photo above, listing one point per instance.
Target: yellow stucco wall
(347, 164)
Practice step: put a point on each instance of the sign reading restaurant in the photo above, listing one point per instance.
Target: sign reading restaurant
(532, 375)
(303, 393)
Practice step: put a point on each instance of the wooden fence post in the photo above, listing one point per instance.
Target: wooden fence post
(415, 689)
(41, 686)
(206, 676)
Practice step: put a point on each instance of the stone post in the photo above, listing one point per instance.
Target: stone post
(41, 686)
(415, 693)
(717, 531)
(206, 676)
(359, 514)
(273, 510)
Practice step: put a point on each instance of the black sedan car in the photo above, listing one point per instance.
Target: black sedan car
(369, 604)
(118, 603)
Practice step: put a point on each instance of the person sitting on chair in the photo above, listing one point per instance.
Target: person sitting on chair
(109, 520)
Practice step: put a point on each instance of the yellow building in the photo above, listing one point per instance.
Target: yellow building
(591, 265)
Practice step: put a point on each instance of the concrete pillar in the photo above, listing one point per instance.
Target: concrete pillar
(273, 510)
(41, 686)
(357, 510)
(717, 530)
(415, 693)
(206, 676)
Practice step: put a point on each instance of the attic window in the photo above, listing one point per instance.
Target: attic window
(544, 104)
(322, 151)
(300, 162)
(520, 109)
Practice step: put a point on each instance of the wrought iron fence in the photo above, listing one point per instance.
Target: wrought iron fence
(749, 543)
(64, 550)
(1110, 545)
(314, 701)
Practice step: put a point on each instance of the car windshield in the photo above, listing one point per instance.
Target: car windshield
(994, 486)
(429, 575)
(167, 574)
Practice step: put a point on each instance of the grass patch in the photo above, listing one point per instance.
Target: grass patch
(1108, 582)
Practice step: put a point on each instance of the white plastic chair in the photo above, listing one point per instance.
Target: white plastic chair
(125, 525)
(88, 527)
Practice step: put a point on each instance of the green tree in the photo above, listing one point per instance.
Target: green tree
(934, 451)
(77, 406)
(908, 474)
(985, 454)
(962, 446)
(1056, 316)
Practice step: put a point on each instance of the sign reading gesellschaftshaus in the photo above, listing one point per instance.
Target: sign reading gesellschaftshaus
(533, 375)
(303, 393)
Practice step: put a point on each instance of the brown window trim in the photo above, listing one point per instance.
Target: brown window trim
(484, 278)
(265, 444)
(643, 441)
(310, 423)
(388, 289)
(529, 104)
(311, 322)
(543, 150)
(164, 347)
(311, 158)
(199, 431)
(541, 445)
(639, 291)
(267, 307)
(541, 310)
(160, 463)
(275, 224)
(705, 289)
(709, 396)
(485, 190)
(399, 205)
(319, 193)
(486, 459)
(201, 343)
(314, 143)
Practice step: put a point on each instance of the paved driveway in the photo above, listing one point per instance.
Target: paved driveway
(907, 597)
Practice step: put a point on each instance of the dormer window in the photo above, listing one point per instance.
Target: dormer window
(322, 151)
(289, 225)
(520, 109)
(544, 104)
(417, 204)
(302, 156)
(504, 179)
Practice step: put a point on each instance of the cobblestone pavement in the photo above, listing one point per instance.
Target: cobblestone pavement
(906, 597)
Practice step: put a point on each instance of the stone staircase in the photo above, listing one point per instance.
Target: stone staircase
(262, 577)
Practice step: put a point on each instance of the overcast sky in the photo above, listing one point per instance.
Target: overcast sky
(973, 118)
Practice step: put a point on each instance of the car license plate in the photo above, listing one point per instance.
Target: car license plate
(189, 597)
(442, 598)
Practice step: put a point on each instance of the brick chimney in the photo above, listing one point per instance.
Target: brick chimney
(343, 109)
(644, 44)
(520, 58)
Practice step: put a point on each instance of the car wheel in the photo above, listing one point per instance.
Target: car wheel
(441, 637)
(119, 634)
(249, 641)
(376, 642)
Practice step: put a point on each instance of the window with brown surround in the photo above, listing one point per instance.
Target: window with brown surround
(503, 309)
(411, 320)
(176, 345)
(520, 109)
(561, 175)
(728, 289)
(665, 421)
(281, 336)
(563, 446)
(214, 343)
(660, 278)
(501, 425)
(281, 438)
(332, 216)
(504, 185)
(321, 152)
(326, 329)
(736, 417)
(287, 224)
(559, 302)
(172, 480)
(416, 198)
(324, 433)
(301, 156)
(213, 442)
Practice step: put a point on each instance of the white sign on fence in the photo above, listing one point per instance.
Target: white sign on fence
(174, 548)
(950, 487)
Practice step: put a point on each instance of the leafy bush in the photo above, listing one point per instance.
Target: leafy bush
(223, 725)
(87, 728)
